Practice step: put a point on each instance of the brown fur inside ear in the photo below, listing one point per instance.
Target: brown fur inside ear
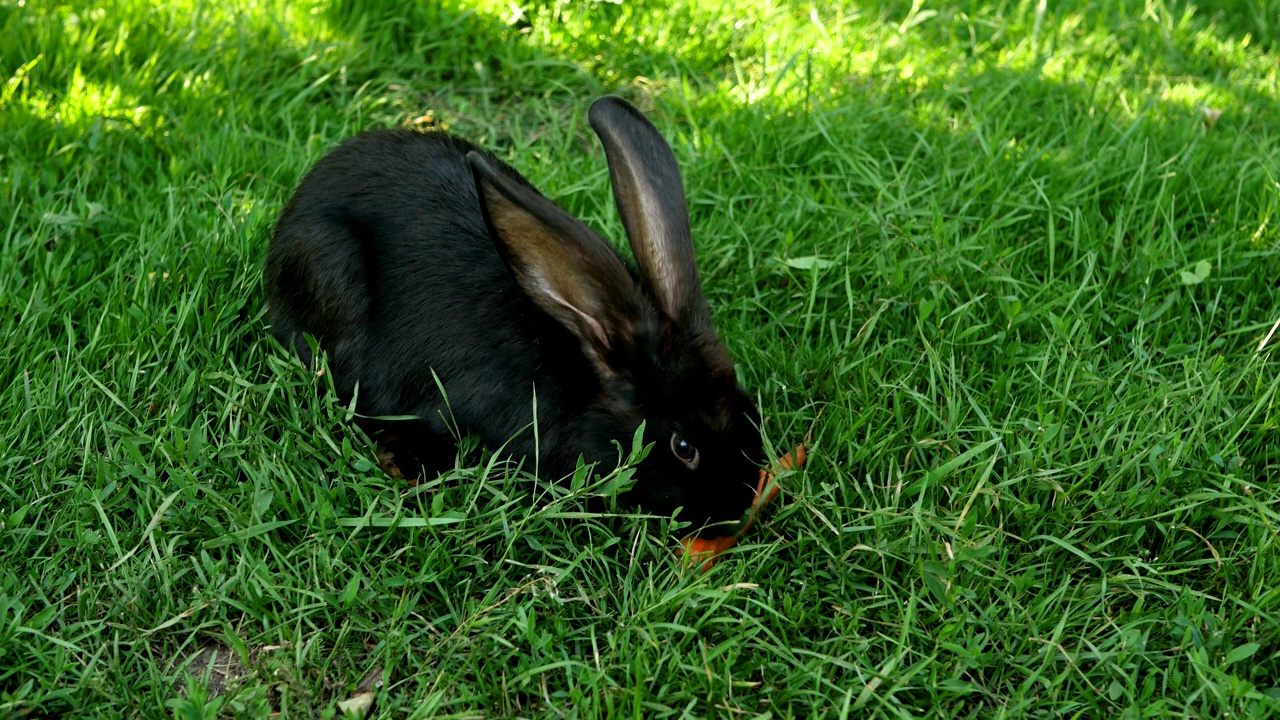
(564, 267)
(547, 269)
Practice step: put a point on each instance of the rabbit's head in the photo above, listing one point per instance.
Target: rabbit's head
(649, 336)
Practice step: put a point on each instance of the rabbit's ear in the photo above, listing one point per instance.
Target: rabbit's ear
(650, 197)
(564, 267)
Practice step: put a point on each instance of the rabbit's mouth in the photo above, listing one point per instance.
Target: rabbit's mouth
(706, 549)
(707, 516)
(716, 516)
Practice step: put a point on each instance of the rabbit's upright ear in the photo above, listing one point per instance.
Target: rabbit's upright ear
(650, 197)
(564, 267)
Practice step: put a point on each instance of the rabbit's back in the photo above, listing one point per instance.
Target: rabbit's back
(383, 255)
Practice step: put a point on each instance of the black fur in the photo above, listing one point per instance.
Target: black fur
(390, 256)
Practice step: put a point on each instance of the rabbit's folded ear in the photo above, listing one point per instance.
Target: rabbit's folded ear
(564, 267)
(650, 197)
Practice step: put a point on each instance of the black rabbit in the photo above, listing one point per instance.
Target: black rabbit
(419, 262)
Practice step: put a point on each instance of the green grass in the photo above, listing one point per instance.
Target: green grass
(988, 258)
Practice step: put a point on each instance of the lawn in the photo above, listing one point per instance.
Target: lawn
(1012, 269)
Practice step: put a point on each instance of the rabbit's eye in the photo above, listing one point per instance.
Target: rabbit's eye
(685, 450)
